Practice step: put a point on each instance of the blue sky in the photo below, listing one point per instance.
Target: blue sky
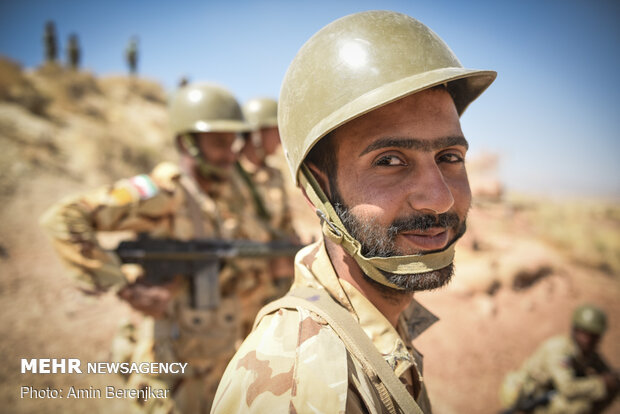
(552, 115)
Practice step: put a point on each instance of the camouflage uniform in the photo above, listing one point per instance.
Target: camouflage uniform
(271, 186)
(558, 365)
(165, 203)
(268, 183)
(276, 371)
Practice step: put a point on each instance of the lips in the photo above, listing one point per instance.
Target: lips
(435, 238)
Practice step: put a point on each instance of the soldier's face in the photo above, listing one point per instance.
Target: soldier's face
(270, 137)
(586, 341)
(217, 148)
(401, 181)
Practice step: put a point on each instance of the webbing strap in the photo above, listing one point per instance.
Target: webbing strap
(259, 203)
(334, 230)
(355, 340)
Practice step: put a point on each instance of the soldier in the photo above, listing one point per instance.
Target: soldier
(183, 81)
(269, 197)
(369, 118)
(73, 52)
(262, 114)
(565, 374)
(131, 55)
(200, 198)
(50, 42)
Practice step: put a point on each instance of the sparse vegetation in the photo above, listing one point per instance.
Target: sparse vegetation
(586, 231)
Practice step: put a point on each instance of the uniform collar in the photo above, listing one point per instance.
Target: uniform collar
(313, 268)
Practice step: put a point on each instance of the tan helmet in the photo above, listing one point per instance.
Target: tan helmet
(261, 112)
(350, 67)
(590, 318)
(359, 63)
(205, 107)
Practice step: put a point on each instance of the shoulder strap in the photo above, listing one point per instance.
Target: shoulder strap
(354, 339)
(259, 203)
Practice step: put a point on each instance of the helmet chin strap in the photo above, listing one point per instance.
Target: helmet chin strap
(205, 169)
(335, 231)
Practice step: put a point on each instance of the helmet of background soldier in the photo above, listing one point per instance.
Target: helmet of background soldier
(590, 319)
(261, 112)
(205, 107)
(359, 63)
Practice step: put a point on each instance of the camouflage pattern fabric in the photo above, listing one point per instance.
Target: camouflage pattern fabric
(557, 365)
(165, 203)
(294, 362)
(272, 282)
(270, 184)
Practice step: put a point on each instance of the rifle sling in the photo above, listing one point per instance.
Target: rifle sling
(259, 203)
(355, 340)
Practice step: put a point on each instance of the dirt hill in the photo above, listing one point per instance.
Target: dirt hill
(522, 267)
(63, 132)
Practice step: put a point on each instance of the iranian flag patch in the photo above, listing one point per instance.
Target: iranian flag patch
(145, 186)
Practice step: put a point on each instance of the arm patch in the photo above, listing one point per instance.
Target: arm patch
(145, 187)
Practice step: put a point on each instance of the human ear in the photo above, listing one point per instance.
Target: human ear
(321, 178)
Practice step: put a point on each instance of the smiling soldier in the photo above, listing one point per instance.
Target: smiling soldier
(369, 118)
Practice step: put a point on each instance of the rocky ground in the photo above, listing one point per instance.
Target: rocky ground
(523, 266)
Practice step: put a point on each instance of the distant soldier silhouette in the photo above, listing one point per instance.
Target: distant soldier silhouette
(131, 55)
(183, 81)
(50, 42)
(73, 52)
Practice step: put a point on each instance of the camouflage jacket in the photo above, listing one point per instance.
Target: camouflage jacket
(294, 362)
(557, 364)
(164, 203)
(270, 186)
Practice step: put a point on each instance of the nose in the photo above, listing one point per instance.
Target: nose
(429, 192)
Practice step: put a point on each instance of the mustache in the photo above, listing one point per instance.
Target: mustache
(423, 222)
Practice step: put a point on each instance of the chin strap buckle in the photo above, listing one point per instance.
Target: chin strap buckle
(324, 219)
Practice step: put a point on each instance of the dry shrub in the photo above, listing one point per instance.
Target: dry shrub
(587, 231)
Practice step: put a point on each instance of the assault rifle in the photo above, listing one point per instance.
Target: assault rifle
(198, 259)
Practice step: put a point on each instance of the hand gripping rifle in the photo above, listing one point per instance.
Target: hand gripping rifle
(198, 259)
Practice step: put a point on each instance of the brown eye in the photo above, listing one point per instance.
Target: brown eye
(451, 158)
(389, 161)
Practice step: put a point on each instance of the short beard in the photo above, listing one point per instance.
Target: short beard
(376, 241)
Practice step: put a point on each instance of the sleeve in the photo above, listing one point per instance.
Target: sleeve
(136, 204)
(567, 384)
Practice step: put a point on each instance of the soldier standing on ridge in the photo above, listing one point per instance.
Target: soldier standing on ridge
(183, 81)
(50, 41)
(131, 55)
(200, 198)
(369, 119)
(73, 52)
(565, 375)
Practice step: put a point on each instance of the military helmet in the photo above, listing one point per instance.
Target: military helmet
(205, 107)
(590, 318)
(352, 66)
(261, 112)
(359, 63)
